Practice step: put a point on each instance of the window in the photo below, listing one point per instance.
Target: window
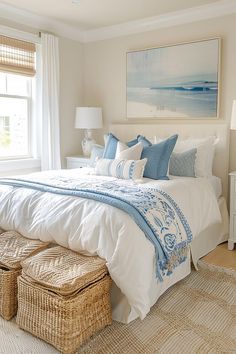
(17, 68)
(15, 114)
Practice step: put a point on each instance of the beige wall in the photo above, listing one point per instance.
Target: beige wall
(105, 67)
(70, 96)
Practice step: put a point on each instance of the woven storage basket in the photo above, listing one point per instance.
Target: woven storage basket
(63, 303)
(13, 249)
(8, 292)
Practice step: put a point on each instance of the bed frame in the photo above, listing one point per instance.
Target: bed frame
(189, 130)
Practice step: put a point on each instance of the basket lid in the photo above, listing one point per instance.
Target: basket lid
(63, 271)
(14, 248)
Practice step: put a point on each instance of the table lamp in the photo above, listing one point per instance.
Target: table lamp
(88, 118)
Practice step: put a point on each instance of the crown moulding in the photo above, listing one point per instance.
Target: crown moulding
(194, 14)
(40, 23)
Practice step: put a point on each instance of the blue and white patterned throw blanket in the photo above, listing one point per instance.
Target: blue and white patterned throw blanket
(154, 211)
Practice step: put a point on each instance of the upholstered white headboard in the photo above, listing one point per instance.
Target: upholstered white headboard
(221, 161)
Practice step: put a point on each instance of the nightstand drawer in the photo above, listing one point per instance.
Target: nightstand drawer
(74, 164)
(77, 162)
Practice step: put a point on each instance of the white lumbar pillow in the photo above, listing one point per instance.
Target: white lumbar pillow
(128, 153)
(124, 169)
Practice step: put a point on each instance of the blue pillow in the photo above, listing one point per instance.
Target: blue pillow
(144, 141)
(97, 151)
(133, 142)
(111, 145)
(158, 156)
(183, 163)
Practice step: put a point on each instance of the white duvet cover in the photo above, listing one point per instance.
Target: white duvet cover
(93, 227)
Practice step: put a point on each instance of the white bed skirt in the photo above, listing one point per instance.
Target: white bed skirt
(202, 244)
(215, 234)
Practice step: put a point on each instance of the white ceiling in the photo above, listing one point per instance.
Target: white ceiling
(90, 14)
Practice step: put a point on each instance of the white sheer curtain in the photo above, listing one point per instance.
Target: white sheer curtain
(50, 145)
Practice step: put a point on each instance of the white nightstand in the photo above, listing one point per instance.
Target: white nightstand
(77, 161)
(232, 232)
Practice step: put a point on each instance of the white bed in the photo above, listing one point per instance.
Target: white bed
(96, 228)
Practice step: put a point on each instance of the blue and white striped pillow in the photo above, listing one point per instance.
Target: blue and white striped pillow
(125, 169)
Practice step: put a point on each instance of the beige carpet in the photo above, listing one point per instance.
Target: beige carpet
(196, 316)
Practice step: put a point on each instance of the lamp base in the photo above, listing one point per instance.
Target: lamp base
(87, 143)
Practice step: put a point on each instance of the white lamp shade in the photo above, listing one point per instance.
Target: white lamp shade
(88, 118)
(233, 116)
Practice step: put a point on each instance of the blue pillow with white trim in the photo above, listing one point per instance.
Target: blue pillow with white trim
(158, 156)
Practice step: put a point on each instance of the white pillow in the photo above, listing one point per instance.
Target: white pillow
(205, 154)
(128, 153)
(125, 169)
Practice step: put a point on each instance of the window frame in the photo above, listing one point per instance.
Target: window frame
(31, 163)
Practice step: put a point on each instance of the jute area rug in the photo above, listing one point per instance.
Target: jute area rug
(195, 316)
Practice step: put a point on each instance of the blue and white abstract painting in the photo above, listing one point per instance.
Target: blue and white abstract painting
(179, 81)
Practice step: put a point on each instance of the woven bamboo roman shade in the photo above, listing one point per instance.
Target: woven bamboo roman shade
(17, 56)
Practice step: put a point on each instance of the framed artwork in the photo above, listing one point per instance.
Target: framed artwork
(177, 81)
